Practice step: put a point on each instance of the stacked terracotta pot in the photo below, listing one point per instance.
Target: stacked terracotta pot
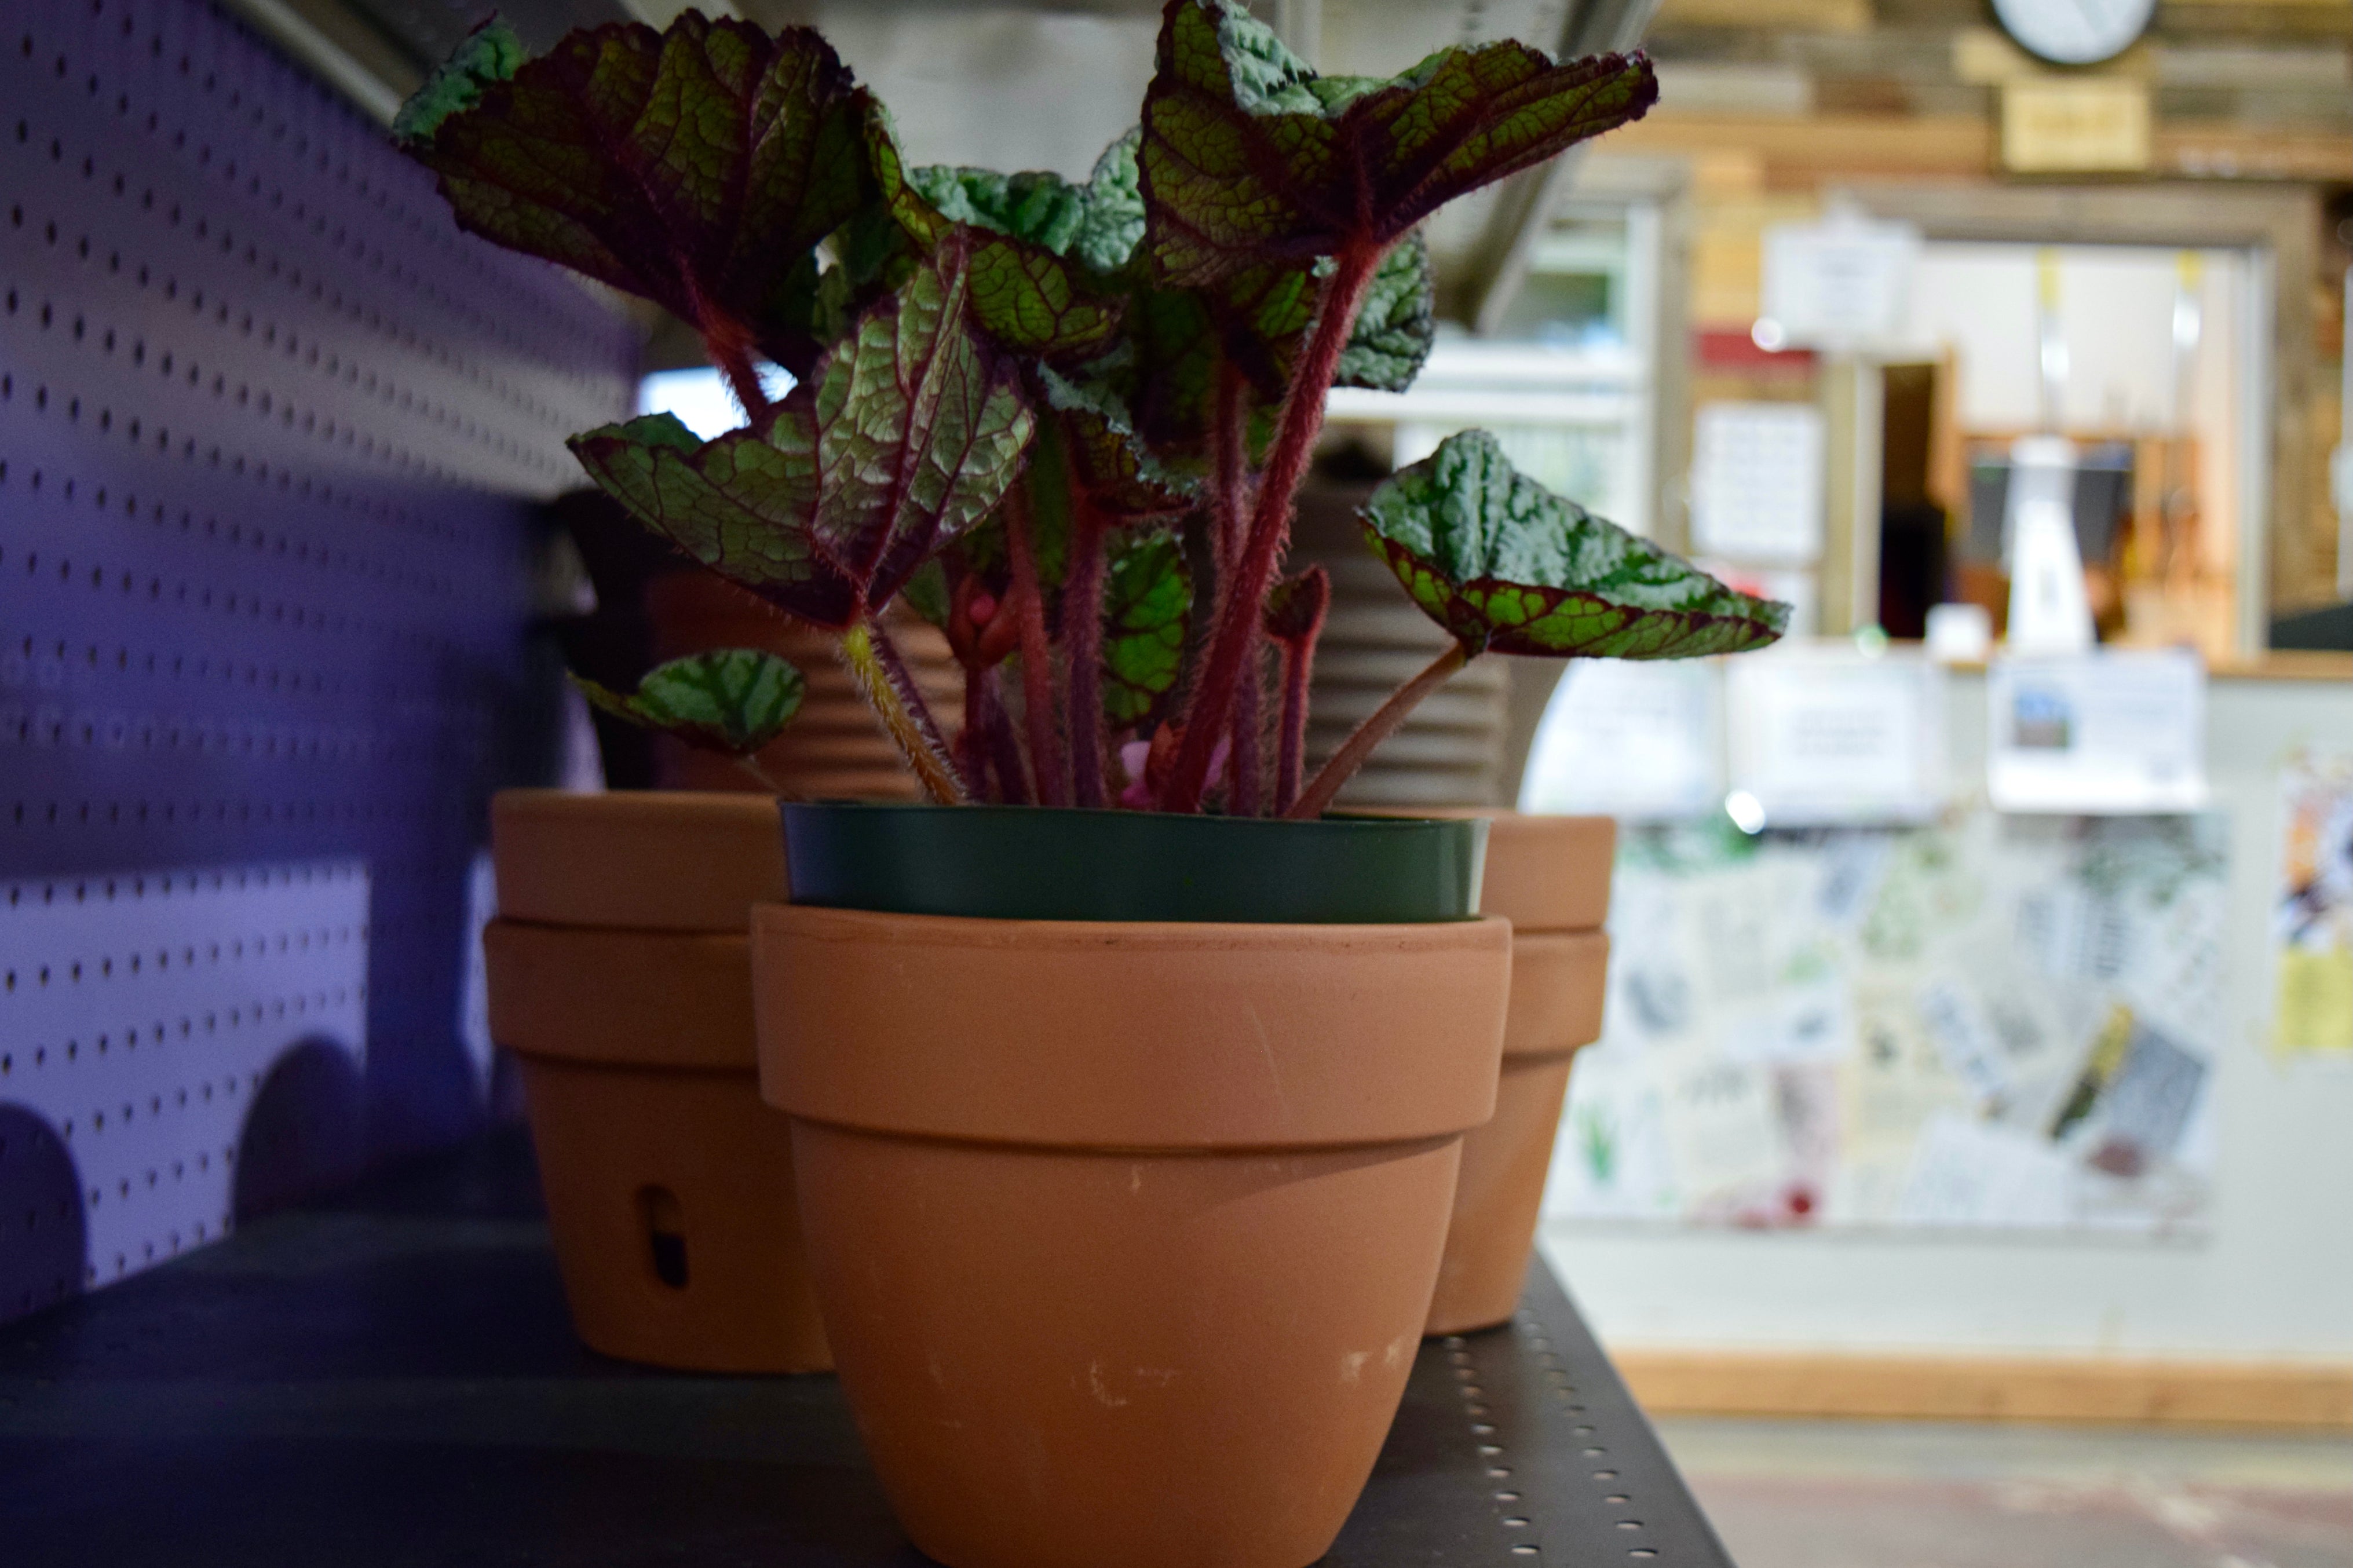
(621, 976)
(1549, 876)
(836, 749)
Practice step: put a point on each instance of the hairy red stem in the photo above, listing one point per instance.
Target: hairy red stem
(1083, 643)
(1229, 466)
(972, 753)
(1246, 763)
(1269, 529)
(1344, 763)
(728, 342)
(1291, 759)
(997, 736)
(1036, 658)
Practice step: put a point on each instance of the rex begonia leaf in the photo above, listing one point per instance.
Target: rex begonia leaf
(1258, 317)
(1505, 564)
(1104, 458)
(730, 699)
(1396, 324)
(1148, 591)
(1098, 222)
(1025, 294)
(909, 434)
(698, 167)
(1250, 157)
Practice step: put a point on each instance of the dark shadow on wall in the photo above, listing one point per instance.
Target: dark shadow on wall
(44, 1242)
(307, 1133)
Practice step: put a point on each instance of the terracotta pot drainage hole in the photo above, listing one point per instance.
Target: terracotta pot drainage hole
(665, 1235)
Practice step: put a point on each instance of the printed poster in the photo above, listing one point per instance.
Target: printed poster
(2313, 920)
(1992, 1023)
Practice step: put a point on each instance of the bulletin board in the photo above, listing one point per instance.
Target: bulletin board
(1992, 1023)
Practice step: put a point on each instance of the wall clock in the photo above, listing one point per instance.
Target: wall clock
(2076, 32)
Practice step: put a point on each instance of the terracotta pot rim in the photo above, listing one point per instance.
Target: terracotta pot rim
(611, 860)
(1024, 1146)
(1217, 936)
(1161, 1034)
(638, 1068)
(617, 802)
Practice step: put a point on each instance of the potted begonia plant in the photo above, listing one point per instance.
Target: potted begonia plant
(1127, 1087)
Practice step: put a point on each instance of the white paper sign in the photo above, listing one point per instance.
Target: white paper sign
(1822, 735)
(2114, 733)
(1756, 481)
(1845, 283)
(1640, 741)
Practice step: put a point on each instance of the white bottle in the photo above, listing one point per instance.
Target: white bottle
(2050, 611)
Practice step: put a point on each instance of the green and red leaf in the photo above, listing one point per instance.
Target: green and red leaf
(1026, 293)
(908, 436)
(1248, 157)
(698, 167)
(1396, 323)
(732, 700)
(1506, 565)
(1105, 461)
(1148, 592)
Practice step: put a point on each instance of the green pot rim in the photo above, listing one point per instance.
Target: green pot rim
(1065, 863)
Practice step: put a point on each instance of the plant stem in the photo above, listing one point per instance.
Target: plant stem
(883, 677)
(902, 681)
(750, 764)
(728, 342)
(1082, 646)
(1037, 659)
(997, 736)
(972, 755)
(1244, 592)
(1291, 760)
(1384, 721)
(744, 381)
(1230, 469)
(1246, 765)
(1229, 466)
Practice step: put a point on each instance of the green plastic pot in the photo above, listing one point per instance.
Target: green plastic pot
(1043, 863)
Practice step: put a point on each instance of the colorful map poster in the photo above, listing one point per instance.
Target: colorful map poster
(2313, 920)
(1993, 1022)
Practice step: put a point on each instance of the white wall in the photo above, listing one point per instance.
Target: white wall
(2274, 1279)
(998, 86)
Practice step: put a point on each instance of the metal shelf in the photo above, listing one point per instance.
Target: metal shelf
(389, 1378)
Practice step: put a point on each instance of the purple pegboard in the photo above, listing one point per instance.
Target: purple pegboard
(271, 432)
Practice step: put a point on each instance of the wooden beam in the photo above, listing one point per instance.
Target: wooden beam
(2311, 1396)
(1798, 151)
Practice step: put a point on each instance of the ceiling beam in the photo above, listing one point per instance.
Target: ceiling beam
(1498, 263)
(339, 48)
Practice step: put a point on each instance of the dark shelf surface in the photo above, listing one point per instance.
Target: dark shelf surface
(388, 1378)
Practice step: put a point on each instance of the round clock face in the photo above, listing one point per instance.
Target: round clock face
(2076, 32)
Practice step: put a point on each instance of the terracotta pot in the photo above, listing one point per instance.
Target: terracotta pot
(835, 749)
(1550, 876)
(1125, 1232)
(668, 1183)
